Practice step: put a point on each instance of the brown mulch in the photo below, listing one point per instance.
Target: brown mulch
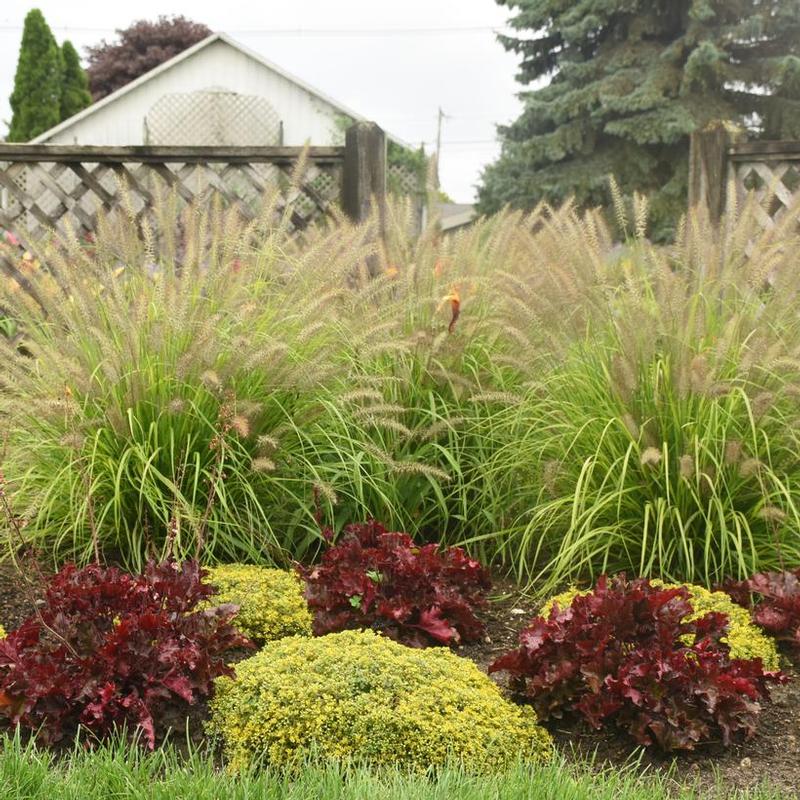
(772, 755)
(16, 595)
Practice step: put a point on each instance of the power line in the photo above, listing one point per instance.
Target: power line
(462, 141)
(451, 117)
(370, 31)
(300, 32)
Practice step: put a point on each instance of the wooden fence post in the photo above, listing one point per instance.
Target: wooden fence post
(708, 166)
(364, 170)
(364, 179)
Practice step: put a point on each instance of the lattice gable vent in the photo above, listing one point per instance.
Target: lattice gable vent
(213, 117)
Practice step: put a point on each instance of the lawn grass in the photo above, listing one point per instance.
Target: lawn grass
(117, 770)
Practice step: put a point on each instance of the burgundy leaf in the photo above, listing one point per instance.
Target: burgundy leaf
(620, 654)
(108, 647)
(379, 579)
(432, 623)
(777, 605)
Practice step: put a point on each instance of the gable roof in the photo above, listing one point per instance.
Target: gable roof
(456, 215)
(188, 53)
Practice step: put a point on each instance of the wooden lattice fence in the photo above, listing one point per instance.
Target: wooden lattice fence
(47, 187)
(44, 186)
(722, 162)
(771, 171)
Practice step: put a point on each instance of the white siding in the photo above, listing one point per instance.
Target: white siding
(121, 122)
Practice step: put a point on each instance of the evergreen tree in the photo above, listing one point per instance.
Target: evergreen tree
(629, 81)
(36, 99)
(75, 83)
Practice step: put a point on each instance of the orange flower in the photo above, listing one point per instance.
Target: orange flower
(454, 298)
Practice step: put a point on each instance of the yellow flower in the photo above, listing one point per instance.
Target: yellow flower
(271, 602)
(359, 695)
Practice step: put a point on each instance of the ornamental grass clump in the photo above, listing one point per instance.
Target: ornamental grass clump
(528, 388)
(631, 654)
(657, 428)
(270, 601)
(152, 405)
(416, 594)
(357, 695)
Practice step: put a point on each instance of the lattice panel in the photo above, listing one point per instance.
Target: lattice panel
(54, 192)
(213, 117)
(776, 185)
(408, 183)
(402, 180)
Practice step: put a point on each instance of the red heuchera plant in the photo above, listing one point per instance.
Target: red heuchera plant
(417, 595)
(777, 608)
(107, 648)
(619, 654)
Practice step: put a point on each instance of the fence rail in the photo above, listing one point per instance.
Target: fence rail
(146, 154)
(788, 150)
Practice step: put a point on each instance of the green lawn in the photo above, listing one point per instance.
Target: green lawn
(116, 771)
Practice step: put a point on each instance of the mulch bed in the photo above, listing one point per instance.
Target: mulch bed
(772, 755)
(15, 596)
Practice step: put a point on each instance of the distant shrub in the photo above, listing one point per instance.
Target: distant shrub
(415, 594)
(359, 695)
(270, 601)
(743, 638)
(108, 648)
(777, 605)
(137, 49)
(628, 653)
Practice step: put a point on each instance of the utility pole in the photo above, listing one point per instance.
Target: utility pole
(442, 116)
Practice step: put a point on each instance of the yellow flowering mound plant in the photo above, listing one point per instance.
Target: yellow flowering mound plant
(271, 602)
(2, 632)
(357, 694)
(744, 638)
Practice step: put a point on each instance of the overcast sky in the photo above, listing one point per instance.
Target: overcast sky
(394, 61)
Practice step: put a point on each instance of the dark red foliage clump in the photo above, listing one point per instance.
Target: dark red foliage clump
(140, 47)
(108, 648)
(417, 595)
(777, 606)
(620, 654)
